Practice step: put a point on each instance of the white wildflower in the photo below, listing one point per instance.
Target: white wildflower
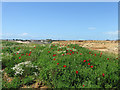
(18, 67)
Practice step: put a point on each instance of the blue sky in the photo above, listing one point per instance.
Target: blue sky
(60, 20)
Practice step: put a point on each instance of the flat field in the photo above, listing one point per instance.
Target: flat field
(59, 65)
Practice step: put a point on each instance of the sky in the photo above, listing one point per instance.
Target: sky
(60, 20)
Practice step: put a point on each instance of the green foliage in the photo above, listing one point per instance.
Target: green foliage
(16, 83)
(27, 80)
(56, 75)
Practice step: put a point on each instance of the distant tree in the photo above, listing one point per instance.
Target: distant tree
(107, 40)
(49, 40)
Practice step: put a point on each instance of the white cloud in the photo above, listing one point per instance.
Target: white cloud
(112, 32)
(25, 34)
(91, 28)
(15, 35)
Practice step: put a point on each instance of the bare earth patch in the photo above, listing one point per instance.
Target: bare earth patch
(21, 42)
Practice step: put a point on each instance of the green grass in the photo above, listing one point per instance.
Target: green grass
(57, 76)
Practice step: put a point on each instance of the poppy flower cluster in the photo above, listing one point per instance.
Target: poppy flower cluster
(26, 54)
(91, 66)
(76, 72)
(72, 52)
(103, 74)
(29, 54)
(88, 63)
(64, 66)
(84, 61)
(54, 55)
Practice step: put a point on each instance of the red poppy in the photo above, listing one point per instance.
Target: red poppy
(48, 51)
(88, 60)
(116, 58)
(29, 54)
(69, 53)
(88, 63)
(76, 72)
(95, 54)
(107, 58)
(83, 85)
(101, 53)
(91, 66)
(22, 54)
(70, 50)
(26, 54)
(103, 74)
(53, 45)
(51, 48)
(30, 51)
(34, 47)
(84, 61)
(54, 59)
(80, 53)
(2, 48)
(17, 53)
(61, 49)
(73, 47)
(67, 50)
(57, 63)
(89, 52)
(54, 55)
(19, 57)
(64, 66)
(58, 49)
(63, 54)
(73, 52)
(77, 52)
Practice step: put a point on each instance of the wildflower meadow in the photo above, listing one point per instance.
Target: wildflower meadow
(58, 66)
